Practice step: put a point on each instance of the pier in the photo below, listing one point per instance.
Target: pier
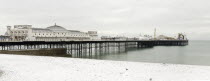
(80, 48)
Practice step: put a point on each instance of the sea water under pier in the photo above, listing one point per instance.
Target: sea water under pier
(80, 48)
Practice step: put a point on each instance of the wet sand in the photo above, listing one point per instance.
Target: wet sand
(1, 72)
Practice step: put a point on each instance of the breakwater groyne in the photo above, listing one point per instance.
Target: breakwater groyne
(88, 47)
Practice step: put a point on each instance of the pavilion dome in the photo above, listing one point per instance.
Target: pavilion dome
(56, 28)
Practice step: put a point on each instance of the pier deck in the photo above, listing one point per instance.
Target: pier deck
(78, 47)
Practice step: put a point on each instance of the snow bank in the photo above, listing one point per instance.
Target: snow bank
(37, 68)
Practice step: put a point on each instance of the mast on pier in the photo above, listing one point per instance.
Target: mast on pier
(155, 34)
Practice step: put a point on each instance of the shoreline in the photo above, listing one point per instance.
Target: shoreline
(1, 72)
(30, 68)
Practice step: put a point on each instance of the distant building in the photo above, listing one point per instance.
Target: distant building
(52, 33)
(145, 37)
(107, 38)
(163, 37)
(93, 35)
(119, 38)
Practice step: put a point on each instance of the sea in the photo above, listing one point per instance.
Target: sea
(196, 53)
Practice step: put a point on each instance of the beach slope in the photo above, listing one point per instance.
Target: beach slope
(43, 68)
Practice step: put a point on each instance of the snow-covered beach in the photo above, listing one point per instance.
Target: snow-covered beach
(39, 68)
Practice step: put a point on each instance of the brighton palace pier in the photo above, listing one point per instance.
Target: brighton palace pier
(52, 33)
(58, 41)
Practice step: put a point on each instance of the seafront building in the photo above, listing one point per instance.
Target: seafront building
(59, 33)
(4, 38)
(51, 33)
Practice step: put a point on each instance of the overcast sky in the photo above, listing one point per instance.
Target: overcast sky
(122, 17)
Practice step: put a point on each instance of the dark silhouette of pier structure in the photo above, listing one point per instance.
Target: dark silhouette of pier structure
(79, 48)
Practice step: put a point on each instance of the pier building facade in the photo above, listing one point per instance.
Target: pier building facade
(51, 33)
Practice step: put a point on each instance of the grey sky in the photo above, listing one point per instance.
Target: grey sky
(112, 16)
